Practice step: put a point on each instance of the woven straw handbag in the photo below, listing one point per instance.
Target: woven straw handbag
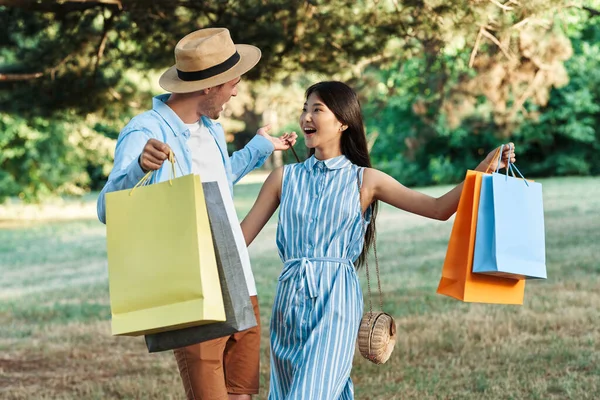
(377, 331)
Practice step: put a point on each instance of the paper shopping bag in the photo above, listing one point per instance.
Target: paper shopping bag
(161, 263)
(236, 298)
(457, 280)
(510, 238)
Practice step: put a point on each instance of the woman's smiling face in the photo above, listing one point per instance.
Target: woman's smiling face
(318, 123)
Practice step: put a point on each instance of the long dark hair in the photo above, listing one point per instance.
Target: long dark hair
(344, 104)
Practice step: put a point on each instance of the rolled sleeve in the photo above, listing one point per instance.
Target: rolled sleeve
(261, 145)
(252, 156)
(133, 173)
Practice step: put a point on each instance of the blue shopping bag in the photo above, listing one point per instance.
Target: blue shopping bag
(510, 239)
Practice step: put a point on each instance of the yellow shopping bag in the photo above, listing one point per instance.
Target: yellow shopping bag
(161, 262)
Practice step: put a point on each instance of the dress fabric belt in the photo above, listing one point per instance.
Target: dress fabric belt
(305, 267)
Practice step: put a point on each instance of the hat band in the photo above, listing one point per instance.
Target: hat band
(209, 72)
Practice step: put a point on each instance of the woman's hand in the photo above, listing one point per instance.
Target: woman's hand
(490, 164)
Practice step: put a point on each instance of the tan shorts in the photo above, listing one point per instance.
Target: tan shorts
(212, 369)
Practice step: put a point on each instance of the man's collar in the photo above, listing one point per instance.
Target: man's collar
(159, 104)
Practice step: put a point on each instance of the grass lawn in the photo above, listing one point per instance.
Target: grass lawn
(55, 340)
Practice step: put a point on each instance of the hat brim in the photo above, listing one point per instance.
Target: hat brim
(249, 57)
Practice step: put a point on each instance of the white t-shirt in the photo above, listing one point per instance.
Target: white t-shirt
(208, 164)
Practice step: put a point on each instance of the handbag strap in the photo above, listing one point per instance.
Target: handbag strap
(367, 255)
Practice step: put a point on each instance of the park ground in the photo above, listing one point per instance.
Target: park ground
(55, 340)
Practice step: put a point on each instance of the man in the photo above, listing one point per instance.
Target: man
(207, 70)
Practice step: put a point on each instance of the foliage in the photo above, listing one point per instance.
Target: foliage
(428, 135)
(66, 61)
(565, 139)
(440, 81)
(43, 156)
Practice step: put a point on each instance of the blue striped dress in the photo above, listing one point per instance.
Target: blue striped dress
(319, 303)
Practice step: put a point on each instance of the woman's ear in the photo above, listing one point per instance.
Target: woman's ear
(344, 127)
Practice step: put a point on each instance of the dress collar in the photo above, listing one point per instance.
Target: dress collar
(338, 162)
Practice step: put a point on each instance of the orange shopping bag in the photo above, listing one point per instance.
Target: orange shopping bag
(458, 281)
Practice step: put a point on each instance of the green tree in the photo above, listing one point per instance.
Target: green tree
(437, 113)
(563, 137)
(69, 66)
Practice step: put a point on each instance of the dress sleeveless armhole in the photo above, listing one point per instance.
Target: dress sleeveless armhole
(283, 182)
(369, 212)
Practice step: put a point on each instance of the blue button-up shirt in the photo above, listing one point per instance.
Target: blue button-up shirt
(163, 124)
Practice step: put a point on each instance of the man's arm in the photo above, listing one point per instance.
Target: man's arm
(126, 171)
(252, 156)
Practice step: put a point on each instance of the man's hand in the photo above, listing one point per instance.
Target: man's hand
(280, 143)
(154, 155)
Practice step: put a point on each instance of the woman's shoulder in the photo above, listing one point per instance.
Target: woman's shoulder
(289, 171)
(293, 167)
(366, 171)
(370, 171)
(372, 176)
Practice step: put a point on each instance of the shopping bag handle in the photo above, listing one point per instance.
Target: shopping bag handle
(509, 166)
(146, 178)
(487, 170)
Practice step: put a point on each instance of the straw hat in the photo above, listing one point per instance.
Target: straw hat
(207, 58)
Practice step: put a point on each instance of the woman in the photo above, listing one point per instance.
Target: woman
(325, 228)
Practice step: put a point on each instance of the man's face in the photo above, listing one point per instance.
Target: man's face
(212, 104)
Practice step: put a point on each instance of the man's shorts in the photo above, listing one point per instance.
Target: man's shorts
(212, 369)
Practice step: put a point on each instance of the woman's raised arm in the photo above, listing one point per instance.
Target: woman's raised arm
(380, 186)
